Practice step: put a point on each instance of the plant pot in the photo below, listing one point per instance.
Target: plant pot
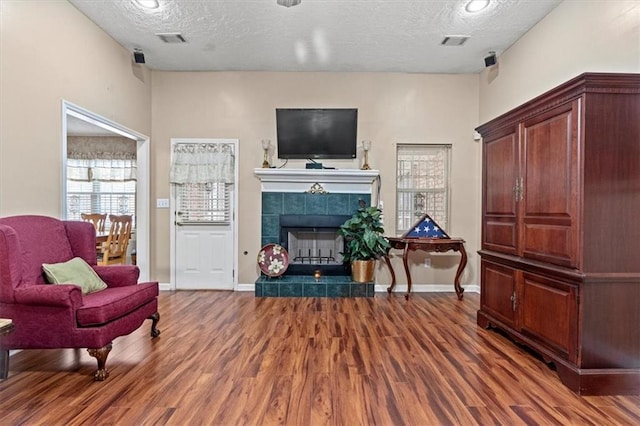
(362, 271)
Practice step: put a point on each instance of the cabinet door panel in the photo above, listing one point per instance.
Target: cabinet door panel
(549, 313)
(500, 174)
(556, 241)
(498, 291)
(550, 200)
(500, 235)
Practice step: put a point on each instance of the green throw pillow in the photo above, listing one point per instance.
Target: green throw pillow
(75, 271)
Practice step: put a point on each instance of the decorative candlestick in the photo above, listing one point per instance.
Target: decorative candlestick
(366, 146)
(266, 144)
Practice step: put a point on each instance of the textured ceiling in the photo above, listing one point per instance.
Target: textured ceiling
(317, 35)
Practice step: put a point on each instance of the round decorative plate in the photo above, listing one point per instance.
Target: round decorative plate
(273, 260)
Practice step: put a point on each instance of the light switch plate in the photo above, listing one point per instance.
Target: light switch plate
(162, 203)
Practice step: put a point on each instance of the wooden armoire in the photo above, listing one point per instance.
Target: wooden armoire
(560, 256)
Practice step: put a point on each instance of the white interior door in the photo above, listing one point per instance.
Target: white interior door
(204, 257)
(204, 235)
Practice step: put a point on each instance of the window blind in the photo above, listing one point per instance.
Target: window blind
(422, 184)
(115, 198)
(204, 203)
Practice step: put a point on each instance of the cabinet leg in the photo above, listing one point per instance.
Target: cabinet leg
(482, 321)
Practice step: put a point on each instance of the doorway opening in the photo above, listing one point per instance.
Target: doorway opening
(78, 121)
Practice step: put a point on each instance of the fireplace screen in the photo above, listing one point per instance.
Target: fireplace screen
(313, 244)
(321, 247)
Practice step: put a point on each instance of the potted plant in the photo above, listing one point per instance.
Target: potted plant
(364, 242)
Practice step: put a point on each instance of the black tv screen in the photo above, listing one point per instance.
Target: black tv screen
(317, 133)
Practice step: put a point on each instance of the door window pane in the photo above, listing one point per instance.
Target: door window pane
(203, 202)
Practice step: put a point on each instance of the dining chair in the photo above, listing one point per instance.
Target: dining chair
(97, 219)
(114, 250)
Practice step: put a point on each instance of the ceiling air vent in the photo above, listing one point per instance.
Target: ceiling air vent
(172, 37)
(454, 40)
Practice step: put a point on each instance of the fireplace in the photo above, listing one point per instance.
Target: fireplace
(313, 244)
(302, 210)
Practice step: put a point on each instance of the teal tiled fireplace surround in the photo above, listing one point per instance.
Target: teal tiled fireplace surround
(275, 204)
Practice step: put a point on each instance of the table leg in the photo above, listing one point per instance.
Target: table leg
(405, 261)
(463, 263)
(393, 274)
(4, 353)
(4, 364)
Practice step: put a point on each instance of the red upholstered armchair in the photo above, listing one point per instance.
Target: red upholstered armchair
(60, 316)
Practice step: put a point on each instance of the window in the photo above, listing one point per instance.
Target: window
(101, 176)
(202, 174)
(203, 202)
(115, 198)
(422, 184)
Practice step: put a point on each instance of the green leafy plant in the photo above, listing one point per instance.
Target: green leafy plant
(364, 235)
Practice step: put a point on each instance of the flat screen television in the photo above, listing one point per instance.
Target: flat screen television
(314, 133)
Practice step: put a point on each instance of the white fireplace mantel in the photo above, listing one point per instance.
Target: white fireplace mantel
(331, 180)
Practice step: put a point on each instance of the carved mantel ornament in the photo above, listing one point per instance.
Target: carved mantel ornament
(316, 188)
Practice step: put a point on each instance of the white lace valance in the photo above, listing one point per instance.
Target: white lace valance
(80, 155)
(202, 163)
(103, 170)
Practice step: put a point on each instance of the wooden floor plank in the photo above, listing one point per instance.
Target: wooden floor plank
(230, 358)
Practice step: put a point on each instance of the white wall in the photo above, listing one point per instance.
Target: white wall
(49, 51)
(392, 108)
(576, 37)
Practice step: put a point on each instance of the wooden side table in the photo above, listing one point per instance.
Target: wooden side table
(438, 245)
(4, 353)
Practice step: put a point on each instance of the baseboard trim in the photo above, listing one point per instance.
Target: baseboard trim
(246, 287)
(400, 288)
(428, 288)
(380, 288)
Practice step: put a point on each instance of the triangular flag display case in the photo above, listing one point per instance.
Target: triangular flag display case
(426, 235)
(425, 227)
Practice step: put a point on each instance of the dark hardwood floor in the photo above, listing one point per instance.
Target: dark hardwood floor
(233, 359)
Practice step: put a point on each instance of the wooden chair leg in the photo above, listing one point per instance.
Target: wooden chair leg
(101, 354)
(4, 364)
(154, 330)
